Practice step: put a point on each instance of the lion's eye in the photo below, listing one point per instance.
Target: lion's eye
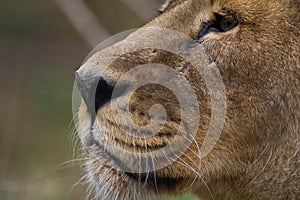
(223, 22)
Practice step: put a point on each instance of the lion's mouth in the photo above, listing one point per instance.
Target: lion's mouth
(151, 179)
(118, 167)
(154, 180)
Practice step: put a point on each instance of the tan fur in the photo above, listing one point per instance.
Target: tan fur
(257, 155)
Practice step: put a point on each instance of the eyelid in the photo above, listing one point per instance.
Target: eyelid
(215, 25)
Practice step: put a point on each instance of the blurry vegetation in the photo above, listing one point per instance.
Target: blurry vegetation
(39, 52)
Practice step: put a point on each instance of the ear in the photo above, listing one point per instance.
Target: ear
(165, 5)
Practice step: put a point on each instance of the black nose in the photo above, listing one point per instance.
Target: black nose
(95, 91)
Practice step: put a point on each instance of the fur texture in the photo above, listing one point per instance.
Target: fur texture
(257, 155)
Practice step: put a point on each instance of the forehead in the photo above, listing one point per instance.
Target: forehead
(247, 10)
(168, 4)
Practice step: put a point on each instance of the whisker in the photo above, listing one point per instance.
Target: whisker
(260, 156)
(264, 167)
(197, 172)
(199, 176)
(71, 161)
(154, 173)
(81, 180)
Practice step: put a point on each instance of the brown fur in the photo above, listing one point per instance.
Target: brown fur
(257, 155)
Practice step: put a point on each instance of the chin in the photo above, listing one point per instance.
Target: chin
(105, 182)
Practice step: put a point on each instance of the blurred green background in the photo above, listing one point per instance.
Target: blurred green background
(41, 45)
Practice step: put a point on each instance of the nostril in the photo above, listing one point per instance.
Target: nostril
(103, 93)
(95, 91)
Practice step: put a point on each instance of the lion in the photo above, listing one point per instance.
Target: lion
(255, 46)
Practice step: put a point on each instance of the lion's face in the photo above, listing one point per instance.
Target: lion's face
(253, 44)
